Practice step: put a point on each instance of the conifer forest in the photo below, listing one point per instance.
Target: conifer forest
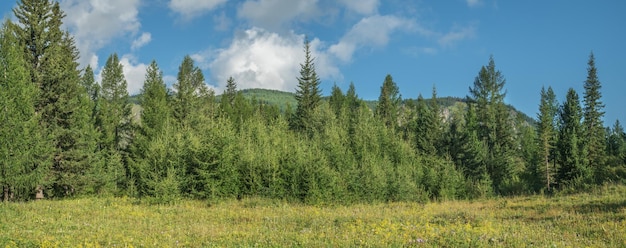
(66, 135)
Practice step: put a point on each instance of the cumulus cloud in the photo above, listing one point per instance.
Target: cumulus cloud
(95, 23)
(134, 72)
(192, 8)
(370, 31)
(144, 39)
(275, 14)
(258, 58)
(364, 7)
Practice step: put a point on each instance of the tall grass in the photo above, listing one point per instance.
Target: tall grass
(596, 219)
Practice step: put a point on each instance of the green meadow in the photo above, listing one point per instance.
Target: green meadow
(593, 219)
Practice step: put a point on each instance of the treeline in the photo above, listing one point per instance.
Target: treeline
(65, 135)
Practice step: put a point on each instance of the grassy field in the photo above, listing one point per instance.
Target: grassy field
(596, 219)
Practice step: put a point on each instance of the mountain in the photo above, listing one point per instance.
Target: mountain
(283, 99)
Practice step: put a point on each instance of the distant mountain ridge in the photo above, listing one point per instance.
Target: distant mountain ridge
(282, 99)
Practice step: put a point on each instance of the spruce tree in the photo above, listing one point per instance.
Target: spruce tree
(62, 102)
(24, 149)
(389, 102)
(151, 135)
(424, 128)
(573, 170)
(190, 95)
(114, 107)
(495, 127)
(308, 93)
(546, 127)
(336, 100)
(592, 122)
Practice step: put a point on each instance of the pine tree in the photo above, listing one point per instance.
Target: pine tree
(38, 31)
(150, 136)
(308, 93)
(190, 95)
(389, 102)
(573, 170)
(424, 128)
(592, 122)
(494, 128)
(114, 107)
(88, 81)
(62, 102)
(336, 100)
(24, 150)
(546, 128)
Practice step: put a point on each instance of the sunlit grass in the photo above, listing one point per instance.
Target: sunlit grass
(595, 219)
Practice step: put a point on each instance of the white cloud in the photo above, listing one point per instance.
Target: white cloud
(473, 3)
(258, 58)
(274, 14)
(134, 72)
(364, 7)
(458, 34)
(222, 22)
(144, 39)
(95, 23)
(192, 8)
(370, 31)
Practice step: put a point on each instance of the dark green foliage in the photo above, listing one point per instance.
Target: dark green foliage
(571, 157)
(546, 129)
(308, 93)
(113, 107)
(192, 98)
(494, 127)
(592, 122)
(389, 102)
(24, 151)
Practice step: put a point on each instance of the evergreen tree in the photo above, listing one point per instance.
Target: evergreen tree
(308, 93)
(88, 81)
(592, 122)
(571, 157)
(425, 128)
(336, 100)
(24, 150)
(154, 101)
(151, 138)
(389, 102)
(494, 128)
(38, 30)
(62, 102)
(546, 127)
(114, 107)
(234, 105)
(190, 94)
(114, 124)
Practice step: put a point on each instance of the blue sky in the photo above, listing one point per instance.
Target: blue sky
(420, 43)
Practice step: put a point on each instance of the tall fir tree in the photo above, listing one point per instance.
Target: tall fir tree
(114, 125)
(573, 170)
(592, 122)
(424, 128)
(24, 151)
(114, 114)
(308, 93)
(190, 93)
(336, 100)
(494, 128)
(546, 127)
(150, 133)
(62, 103)
(389, 102)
